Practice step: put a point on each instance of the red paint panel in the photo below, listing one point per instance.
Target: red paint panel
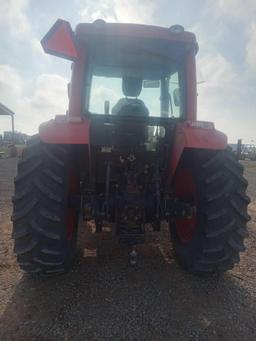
(77, 84)
(187, 136)
(134, 30)
(191, 86)
(185, 189)
(61, 131)
(60, 41)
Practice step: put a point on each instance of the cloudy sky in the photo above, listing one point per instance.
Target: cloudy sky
(34, 84)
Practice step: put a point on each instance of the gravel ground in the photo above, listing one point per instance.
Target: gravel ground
(103, 298)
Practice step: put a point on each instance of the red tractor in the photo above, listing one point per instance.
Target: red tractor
(129, 152)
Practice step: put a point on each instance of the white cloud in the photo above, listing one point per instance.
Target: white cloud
(133, 11)
(48, 97)
(13, 17)
(102, 9)
(241, 13)
(226, 99)
(216, 71)
(38, 50)
(101, 93)
(11, 85)
(218, 77)
(236, 10)
(228, 95)
(251, 50)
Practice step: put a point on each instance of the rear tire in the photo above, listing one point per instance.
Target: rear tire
(221, 212)
(44, 224)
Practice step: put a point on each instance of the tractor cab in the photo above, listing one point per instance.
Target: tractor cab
(135, 77)
(129, 73)
(128, 69)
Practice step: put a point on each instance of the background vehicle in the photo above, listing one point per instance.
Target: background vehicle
(129, 151)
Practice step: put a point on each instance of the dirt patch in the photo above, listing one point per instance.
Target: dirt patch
(103, 298)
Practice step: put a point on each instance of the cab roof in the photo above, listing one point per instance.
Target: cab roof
(101, 28)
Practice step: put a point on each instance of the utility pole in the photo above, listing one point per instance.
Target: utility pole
(239, 149)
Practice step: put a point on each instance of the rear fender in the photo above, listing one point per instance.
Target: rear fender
(65, 130)
(195, 135)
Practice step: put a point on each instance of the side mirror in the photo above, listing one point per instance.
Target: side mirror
(106, 107)
(176, 97)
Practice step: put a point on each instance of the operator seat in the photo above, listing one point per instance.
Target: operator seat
(131, 106)
(130, 135)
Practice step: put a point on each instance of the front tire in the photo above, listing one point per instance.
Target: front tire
(210, 240)
(44, 223)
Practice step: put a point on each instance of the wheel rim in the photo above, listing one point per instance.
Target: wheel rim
(185, 189)
(72, 213)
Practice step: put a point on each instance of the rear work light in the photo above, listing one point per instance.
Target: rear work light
(176, 29)
(60, 41)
